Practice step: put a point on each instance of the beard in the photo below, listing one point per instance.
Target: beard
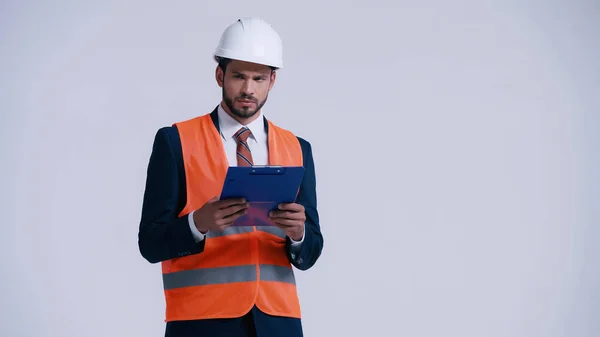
(244, 112)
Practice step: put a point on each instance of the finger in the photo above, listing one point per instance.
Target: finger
(288, 215)
(291, 207)
(229, 219)
(225, 226)
(230, 202)
(225, 212)
(282, 227)
(286, 223)
(213, 199)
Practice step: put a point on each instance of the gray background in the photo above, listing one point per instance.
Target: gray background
(456, 147)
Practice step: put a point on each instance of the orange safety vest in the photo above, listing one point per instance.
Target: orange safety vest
(241, 266)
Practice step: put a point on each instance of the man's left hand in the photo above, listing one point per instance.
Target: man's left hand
(290, 217)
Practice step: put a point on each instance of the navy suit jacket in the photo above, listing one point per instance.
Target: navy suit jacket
(163, 235)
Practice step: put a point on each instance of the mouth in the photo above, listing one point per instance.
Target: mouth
(245, 101)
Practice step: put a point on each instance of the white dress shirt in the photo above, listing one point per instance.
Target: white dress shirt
(258, 147)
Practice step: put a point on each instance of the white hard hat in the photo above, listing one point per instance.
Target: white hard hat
(252, 40)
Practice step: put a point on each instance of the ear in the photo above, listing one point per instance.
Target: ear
(273, 77)
(219, 76)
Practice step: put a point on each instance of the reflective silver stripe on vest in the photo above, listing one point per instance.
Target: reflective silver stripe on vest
(269, 272)
(224, 275)
(205, 276)
(229, 231)
(273, 230)
(244, 229)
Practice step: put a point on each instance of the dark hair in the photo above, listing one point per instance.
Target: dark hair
(224, 62)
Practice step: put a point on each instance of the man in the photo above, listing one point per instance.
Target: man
(223, 280)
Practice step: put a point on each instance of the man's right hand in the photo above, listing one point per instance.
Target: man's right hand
(217, 215)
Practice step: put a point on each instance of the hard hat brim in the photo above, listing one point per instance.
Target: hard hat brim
(220, 55)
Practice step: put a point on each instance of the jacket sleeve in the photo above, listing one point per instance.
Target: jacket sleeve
(312, 246)
(163, 235)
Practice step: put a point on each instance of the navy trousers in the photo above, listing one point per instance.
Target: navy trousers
(254, 324)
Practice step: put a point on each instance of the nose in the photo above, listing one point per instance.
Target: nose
(248, 87)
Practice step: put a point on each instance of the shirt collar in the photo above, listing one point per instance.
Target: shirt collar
(229, 126)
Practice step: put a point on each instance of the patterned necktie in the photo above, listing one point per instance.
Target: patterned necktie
(244, 156)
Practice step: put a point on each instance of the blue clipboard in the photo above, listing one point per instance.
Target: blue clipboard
(264, 187)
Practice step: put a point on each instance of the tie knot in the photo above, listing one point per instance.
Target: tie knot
(243, 134)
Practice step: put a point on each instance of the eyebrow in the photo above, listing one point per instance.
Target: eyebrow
(239, 73)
